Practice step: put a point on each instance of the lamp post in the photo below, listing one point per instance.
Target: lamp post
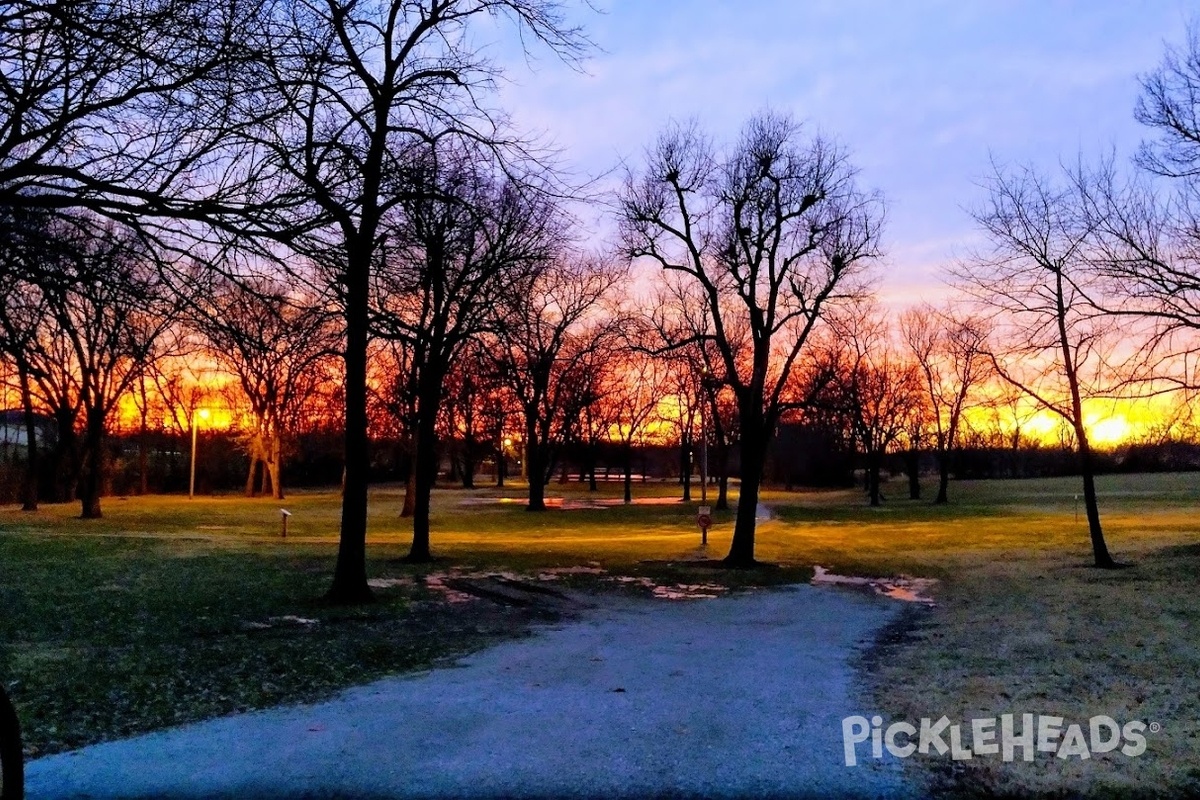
(703, 457)
(502, 461)
(202, 413)
(704, 514)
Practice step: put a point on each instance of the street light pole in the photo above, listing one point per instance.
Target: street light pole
(202, 413)
(703, 442)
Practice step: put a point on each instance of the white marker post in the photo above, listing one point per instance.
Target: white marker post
(283, 516)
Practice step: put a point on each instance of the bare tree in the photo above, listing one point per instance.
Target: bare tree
(875, 388)
(1170, 103)
(633, 393)
(100, 307)
(468, 387)
(1051, 342)
(547, 339)
(461, 242)
(360, 93)
(278, 345)
(120, 108)
(769, 232)
(950, 354)
(684, 382)
(21, 311)
(1147, 231)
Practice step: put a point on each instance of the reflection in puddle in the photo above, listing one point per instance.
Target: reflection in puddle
(389, 583)
(906, 589)
(439, 583)
(573, 503)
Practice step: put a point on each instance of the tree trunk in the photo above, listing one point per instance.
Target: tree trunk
(1099, 548)
(350, 573)
(535, 465)
(685, 468)
(468, 464)
(741, 551)
(913, 462)
(277, 466)
(143, 450)
(943, 477)
(265, 487)
(722, 503)
(65, 456)
(92, 473)
(30, 490)
(873, 479)
(628, 473)
(252, 474)
(429, 395)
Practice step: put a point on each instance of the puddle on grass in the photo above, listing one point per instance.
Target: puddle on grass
(389, 583)
(674, 591)
(689, 591)
(555, 573)
(572, 503)
(901, 587)
(439, 582)
(286, 620)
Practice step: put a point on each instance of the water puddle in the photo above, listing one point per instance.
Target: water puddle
(901, 587)
(573, 503)
(673, 591)
(437, 583)
(390, 583)
(441, 583)
(273, 622)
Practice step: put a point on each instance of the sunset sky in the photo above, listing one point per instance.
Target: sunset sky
(922, 93)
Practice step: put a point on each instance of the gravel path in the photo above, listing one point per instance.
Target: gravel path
(733, 697)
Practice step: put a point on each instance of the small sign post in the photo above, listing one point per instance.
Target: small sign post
(283, 516)
(704, 520)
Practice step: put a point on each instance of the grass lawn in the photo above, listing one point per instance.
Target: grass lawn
(169, 610)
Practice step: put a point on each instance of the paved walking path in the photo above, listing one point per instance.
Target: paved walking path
(732, 697)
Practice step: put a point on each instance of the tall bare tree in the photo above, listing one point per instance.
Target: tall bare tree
(278, 345)
(873, 386)
(633, 393)
(1170, 104)
(769, 231)
(950, 353)
(1036, 283)
(101, 308)
(547, 339)
(1147, 229)
(462, 241)
(362, 92)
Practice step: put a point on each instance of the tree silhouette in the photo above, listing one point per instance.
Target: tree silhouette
(768, 233)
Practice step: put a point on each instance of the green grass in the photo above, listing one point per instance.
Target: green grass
(149, 616)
